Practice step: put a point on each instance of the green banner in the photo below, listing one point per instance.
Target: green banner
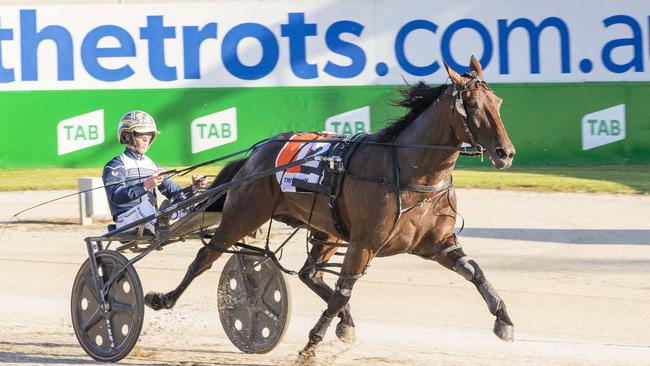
(595, 123)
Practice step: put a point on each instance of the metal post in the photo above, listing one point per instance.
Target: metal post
(93, 202)
(84, 218)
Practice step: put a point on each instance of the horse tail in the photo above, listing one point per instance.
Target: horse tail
(225, 175)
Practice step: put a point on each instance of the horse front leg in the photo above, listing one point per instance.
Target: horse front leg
(468, 268)
(313, 278)
(451, 256)
(354, 265)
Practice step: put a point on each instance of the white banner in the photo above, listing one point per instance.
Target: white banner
(319, 43)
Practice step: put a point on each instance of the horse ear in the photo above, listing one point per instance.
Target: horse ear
(475, 65)
(453, 75)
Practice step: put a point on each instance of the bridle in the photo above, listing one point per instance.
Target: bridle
(459, 104)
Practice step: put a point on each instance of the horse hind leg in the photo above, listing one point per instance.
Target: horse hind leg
(452, 257)
(313, 278)
(239, 218)
(203, 261)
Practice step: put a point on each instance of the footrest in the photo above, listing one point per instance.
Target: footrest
(137, 233)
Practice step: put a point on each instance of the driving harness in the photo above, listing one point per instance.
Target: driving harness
(333, 167)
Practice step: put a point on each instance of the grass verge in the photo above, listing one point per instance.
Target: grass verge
(626, 179)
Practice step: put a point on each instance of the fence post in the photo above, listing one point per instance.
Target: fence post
(91, 203)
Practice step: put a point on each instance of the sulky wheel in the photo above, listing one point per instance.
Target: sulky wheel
(253, 302)
(107, 335)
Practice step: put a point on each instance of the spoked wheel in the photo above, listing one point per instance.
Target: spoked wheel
(109, 334)
(253, 302)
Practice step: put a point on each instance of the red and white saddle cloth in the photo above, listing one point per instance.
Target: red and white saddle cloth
(309, 172)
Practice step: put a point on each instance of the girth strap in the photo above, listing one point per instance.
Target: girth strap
(344, 149)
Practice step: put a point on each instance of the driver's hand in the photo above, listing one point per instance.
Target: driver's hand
(199, 183)
(153, 181)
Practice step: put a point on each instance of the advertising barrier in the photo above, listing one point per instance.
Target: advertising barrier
(573, 74)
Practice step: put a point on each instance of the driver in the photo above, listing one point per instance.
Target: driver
(132, 177)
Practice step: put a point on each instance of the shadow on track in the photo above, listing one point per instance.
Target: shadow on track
(567, 236)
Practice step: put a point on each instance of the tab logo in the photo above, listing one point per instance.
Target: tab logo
(603, 127)
(350, 123)
(80, 132)
(214, 130)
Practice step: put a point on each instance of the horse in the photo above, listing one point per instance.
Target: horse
(397, 197)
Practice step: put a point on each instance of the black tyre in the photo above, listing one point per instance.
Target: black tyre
(107, 335)
(254, 303)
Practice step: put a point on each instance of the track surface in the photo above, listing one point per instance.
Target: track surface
(574, 270)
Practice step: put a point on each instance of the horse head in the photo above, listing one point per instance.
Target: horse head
(480, 124)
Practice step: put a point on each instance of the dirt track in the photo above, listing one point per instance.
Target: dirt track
(574, 270)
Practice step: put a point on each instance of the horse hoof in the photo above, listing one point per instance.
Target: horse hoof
(345, 333)
(306, 353)
(304, 359)
(154, 300)
(504, 331)
(306, 356)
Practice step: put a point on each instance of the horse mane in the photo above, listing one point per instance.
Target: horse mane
(416, 98)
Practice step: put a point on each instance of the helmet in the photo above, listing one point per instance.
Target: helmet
(137, 121)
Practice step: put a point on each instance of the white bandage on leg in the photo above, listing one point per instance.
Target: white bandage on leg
(490, 295)
(344, 286)
(464, 268)
(343, 291)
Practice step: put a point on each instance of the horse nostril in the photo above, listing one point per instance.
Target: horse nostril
(501, 153)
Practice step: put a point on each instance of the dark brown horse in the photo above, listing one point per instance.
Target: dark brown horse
(395, 199)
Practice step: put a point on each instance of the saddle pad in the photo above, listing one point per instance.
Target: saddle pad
(309, 172)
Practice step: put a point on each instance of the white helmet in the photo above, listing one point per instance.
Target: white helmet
(136, 121)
